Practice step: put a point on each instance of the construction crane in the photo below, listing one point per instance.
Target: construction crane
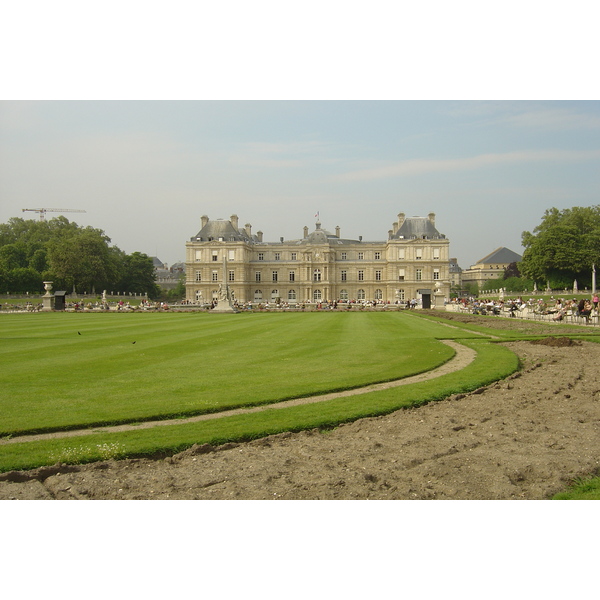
(43, 211)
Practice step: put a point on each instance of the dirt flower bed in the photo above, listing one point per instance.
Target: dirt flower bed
(522, 438)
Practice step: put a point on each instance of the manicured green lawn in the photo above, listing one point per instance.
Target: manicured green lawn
(67, 370)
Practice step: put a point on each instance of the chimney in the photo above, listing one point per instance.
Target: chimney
(431, 217)
(248, 229)
(259, 235)
(395, 227)
(305, 232)
(390, 234)
(337, 231)
(401, 217)
(234, 221)
(204, 221)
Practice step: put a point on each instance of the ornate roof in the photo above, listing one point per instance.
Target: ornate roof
(417, 227)
(222, 229)
(500, 256)
(322, 236)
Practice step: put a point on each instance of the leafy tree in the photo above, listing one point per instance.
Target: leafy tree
(80, 260)
(138, 275)
(563, 247)
(471, 288)
(511, 271)
(12, 256)
(511, 284)
(24, 279)
(71, 256)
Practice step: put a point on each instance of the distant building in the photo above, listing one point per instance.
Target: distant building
(320, 266)
(491, 266)
(455, 274)
(167, 278)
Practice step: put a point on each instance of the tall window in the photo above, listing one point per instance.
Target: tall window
(378, 295)
(400, 253)
(401, 274)
(294, 256)
(198, 255)
(343, 256)
(436, 273)
(261, 256)
(231, 255)
(317, 295)
(360, 295)
(400, 294)
(292, 295)
(377, 275)
(317, 275)
(275, 275)
(215, 255)
(277, 256)
(343, 275)
(377, 255)
(257, 276)
(231, 275)
(418, 253)
(361, 275)
(292, 275)
(198, 275)
(418, 274)
(215, 276)
(361, 255)
(436, 254)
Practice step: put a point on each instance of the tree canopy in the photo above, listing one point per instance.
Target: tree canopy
(73, 257)
(563, 247)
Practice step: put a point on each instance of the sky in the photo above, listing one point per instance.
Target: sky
(145, 171)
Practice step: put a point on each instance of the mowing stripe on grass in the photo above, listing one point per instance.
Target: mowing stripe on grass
(493, 362)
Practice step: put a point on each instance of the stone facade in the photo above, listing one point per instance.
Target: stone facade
(321, 266)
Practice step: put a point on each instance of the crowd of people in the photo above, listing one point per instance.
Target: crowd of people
(557, 309)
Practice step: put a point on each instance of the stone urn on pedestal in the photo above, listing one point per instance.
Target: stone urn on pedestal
(48, 297)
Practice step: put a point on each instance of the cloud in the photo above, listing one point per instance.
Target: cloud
(424, 166)
(278, 154)
(555, 119)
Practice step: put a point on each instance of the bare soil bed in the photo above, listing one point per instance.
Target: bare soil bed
(522, 438)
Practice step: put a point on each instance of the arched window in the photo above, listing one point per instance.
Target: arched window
(292, 295)
(317, 295)
(360, 295)
(344, 295)
(198, 295)
(274, 294)
(257, 295)
(378, 295)
(215, 294)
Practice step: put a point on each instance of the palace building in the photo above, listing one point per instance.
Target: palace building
(321, 266)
